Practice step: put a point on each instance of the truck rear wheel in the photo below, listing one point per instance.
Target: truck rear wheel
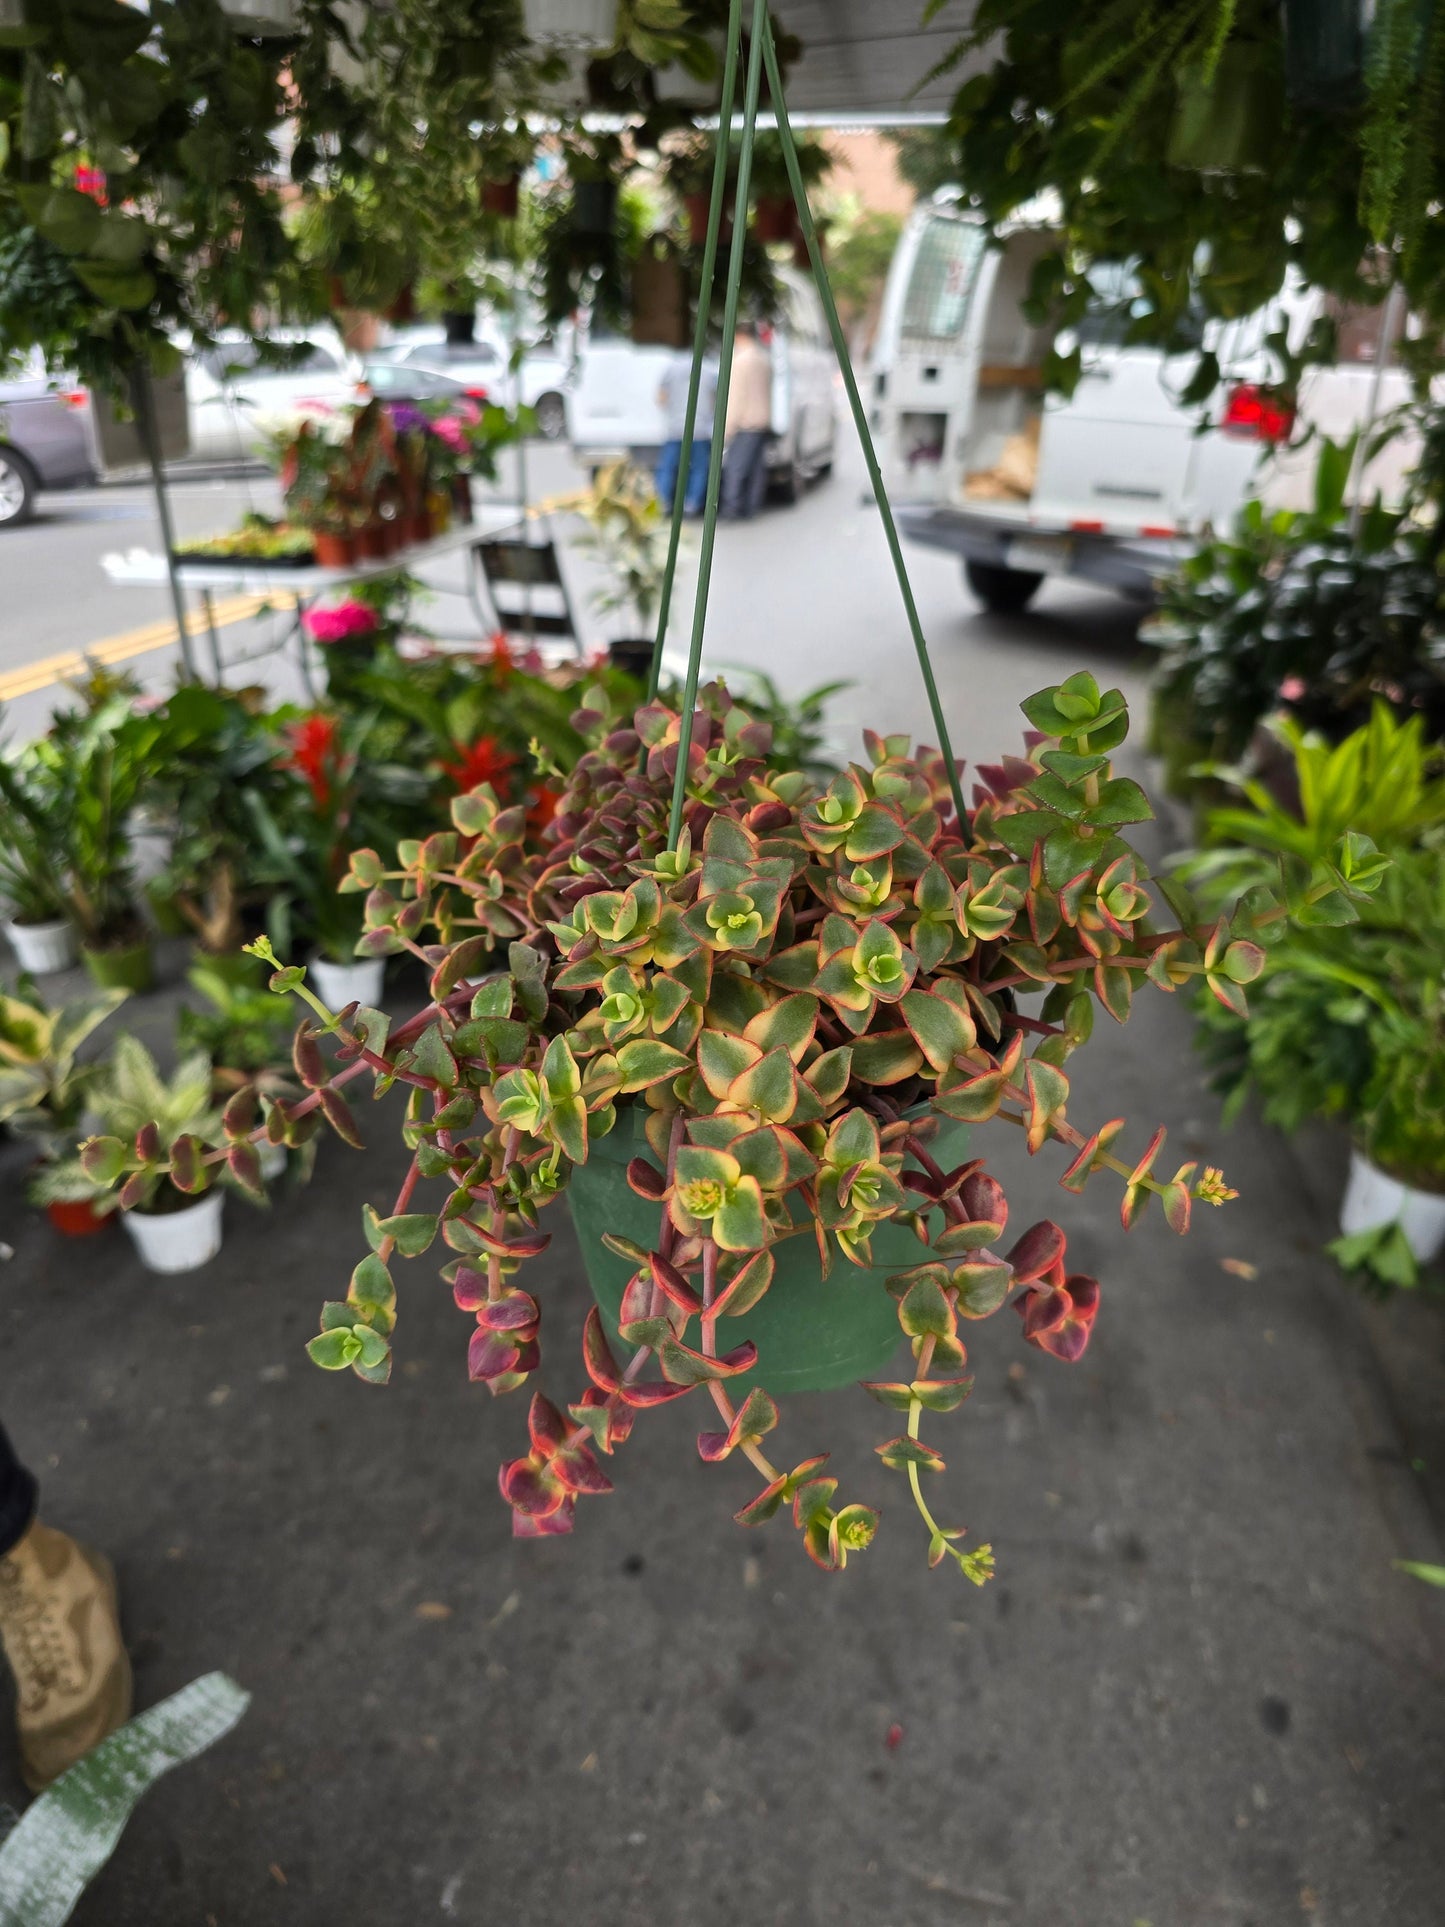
(1003, 591)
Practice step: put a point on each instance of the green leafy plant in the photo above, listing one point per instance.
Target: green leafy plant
(244, 1031)
(152, 1128)
(1299, 611)
(1348, 1017)
(787, 995)
(33, 879)
(1194, 142)
(43, 1088)
(627, 533)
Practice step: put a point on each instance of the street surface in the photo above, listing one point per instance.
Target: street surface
(807, 593)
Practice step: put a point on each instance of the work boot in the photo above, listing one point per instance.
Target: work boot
(61, 1630)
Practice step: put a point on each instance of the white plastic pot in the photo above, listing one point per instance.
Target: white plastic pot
(43, 947)
(340, 984)
(1373, 1198)
(172, 1241)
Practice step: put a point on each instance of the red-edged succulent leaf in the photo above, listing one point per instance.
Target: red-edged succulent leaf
(646, 1180)
(755, 1418)
(469, 1288)
(578, 1471)
(597, 1354)
(643, 1396)
(546, 1426)
(339, 1117)
(515, 1311)
(744, 1289)
(1040, 1248)
(902, 1452)
(683, 1366)
(1078, 1173)
(490, 1355)
(529, 1488)
(306, 1056)
(1059, 1318)
(671, 1283)
(526, 1525)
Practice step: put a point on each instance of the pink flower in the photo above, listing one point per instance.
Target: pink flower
(1291, 689)
(347, 619)
(448, 429)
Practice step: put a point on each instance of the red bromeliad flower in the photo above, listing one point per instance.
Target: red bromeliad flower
(541, 806)
(315, 754)
(484, 762)
(502, 659)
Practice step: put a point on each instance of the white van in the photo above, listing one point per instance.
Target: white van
(613, 409)
(1113, 484)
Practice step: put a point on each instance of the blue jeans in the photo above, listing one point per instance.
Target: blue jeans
(745, 474)
(665, 476)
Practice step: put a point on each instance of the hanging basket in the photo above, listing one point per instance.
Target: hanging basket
(659, 296)
(1228, 126)
(813, 1334)
(775, 218)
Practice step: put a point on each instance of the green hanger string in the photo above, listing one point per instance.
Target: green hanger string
(724, 378)
(699, 336)
(860, 418)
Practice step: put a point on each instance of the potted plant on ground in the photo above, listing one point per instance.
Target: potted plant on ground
(94, 762)
(302, 839)
(32, 869)
(243, 1029)
(164, 1121)
(627, 533)
(740, 1020)
(1348, 1018)
(43, 1089)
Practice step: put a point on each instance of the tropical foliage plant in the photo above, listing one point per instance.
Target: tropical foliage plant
(156, 1118)
(1348, 1017)
(1302, 611)
(43, 1086)
(789, 992)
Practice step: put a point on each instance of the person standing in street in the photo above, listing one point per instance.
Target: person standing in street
(60, 1628)
(749, 423)
(672, 395)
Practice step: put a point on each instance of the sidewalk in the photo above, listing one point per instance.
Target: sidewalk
(1196, 1692)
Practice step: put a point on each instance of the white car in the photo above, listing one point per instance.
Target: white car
(231, 392)
(1113, 484)
(483, 368)
(614, 407)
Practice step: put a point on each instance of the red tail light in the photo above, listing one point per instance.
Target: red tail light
(74, 397)
(477, 394)
(1253, 413)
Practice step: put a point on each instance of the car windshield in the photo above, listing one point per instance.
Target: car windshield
(1114, 300)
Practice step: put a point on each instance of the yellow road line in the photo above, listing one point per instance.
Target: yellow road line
(133, 642)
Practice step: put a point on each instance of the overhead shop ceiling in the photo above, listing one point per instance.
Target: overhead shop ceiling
(863, 58)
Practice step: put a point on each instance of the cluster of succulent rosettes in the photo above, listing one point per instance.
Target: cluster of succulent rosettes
(794, 996)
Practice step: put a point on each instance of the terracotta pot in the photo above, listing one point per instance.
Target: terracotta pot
(76, 1217)
(372, 542)
(696, 208)
(775, 218)
(462, 498)
(416, 527)
(502, 197)
(403, 309)
(334, 551)
(800, 251)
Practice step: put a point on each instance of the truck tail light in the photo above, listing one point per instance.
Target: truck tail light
(1253, 413)
(74, 397)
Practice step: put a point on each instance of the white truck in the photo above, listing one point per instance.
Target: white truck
(1112, 484)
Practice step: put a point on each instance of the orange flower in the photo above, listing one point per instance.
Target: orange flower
(314, 753)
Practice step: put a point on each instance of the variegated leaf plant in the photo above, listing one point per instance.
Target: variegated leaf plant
(796, 994)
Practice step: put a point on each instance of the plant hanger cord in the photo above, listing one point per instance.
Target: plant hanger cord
(762, 43)
(722, 150)
(720, 406)
(860, 418)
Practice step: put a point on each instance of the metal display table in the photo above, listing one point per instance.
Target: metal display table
(301, 587)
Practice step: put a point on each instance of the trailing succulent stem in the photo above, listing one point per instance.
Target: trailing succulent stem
(793, 1000)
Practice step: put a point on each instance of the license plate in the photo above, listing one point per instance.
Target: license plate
(1042, 554)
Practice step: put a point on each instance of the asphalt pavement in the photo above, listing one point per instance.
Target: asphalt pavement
(1196, 1695)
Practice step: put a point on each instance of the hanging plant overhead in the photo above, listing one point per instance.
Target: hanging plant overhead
(1199, 143)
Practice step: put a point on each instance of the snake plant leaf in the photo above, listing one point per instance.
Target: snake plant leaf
(65, 1838)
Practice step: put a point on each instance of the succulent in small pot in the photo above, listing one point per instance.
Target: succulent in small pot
(789, 990)
(149, 1156)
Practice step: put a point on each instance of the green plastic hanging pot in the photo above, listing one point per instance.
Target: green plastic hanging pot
(813, 1334)
(1229, 126)
(127, 966)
